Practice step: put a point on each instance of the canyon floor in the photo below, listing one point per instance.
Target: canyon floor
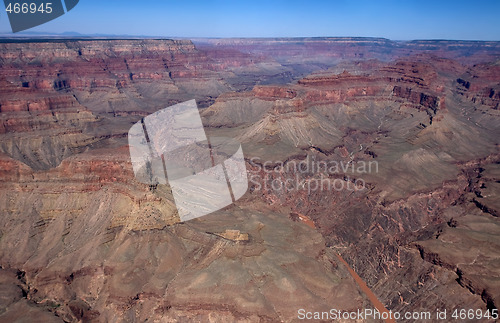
(373, 168)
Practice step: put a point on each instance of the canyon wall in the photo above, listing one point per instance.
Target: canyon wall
(82, 240)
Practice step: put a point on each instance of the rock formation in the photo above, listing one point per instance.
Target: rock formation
(82, 240)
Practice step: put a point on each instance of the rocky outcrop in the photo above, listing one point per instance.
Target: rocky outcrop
(419, 98)
(479, 84)
(273, 92)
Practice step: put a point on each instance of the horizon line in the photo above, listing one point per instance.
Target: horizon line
(78, 36)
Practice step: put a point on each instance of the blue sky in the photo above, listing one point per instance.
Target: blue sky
(398, 20)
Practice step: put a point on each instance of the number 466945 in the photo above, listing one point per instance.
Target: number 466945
(27, 8)
(478, 314)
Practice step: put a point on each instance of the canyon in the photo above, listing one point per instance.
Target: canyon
(82, 240)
